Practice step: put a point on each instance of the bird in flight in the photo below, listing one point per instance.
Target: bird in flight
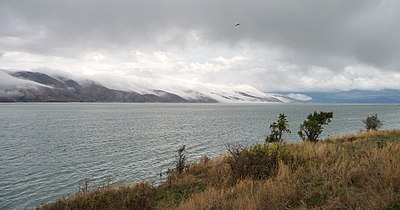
(237, 24)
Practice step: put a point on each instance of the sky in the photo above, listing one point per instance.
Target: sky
(279, 45)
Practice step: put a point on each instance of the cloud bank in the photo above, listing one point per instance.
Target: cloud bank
(280, 45)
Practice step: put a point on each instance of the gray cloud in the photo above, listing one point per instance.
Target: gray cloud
(328, 34)
(7, 81)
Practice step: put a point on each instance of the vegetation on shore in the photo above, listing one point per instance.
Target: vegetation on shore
(360, 171)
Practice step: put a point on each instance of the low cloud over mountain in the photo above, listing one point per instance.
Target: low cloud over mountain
(26, 86)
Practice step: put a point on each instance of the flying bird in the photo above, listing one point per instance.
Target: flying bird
(237, 24)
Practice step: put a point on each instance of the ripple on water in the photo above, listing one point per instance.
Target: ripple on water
(48, 150)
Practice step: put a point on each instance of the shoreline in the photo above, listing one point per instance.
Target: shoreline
(304, 177)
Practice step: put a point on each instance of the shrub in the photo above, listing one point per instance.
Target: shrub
(180, 165)
(372, 122)
(312, 127)
(277, 129)
(258, 162)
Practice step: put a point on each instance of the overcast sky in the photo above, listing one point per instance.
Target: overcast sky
(280, 45)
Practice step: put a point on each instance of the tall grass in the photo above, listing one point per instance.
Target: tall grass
(360, 171)
(138, 196)
(354, 174)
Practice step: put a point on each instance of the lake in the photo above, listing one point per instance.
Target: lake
(48, 149)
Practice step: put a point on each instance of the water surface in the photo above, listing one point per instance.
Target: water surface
(48, 149)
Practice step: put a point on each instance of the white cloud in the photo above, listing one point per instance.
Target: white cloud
(141, 70)
(9, 85)
(300, 97)
(8, 93)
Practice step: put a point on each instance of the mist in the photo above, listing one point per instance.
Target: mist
(278, 46)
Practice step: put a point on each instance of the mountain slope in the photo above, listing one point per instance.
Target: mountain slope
(52, 89)
(39, 87)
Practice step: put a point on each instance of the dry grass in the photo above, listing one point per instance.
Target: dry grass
(360, 171)
(138, 196)
(339, 173)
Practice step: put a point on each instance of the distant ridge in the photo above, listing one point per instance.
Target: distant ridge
(28, 86)
(386, 96)
(67, 90)
(45, 88)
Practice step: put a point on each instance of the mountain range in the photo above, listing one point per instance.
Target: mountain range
(27, 86)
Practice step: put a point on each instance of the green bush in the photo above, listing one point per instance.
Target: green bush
(260, 161)
(312, 127)
(277, 129)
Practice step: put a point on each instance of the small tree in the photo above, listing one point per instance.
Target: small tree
(372, 122)
(180, 165)
(277, 129)
(312, 127)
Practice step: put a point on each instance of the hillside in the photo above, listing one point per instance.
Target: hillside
(46, 88)
(26, 86)
(358, 171)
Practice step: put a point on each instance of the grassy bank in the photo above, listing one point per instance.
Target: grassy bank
(360, 171)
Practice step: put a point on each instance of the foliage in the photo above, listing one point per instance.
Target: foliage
(180, 165)
(258, 162)
(372, 122)
(312, 127)
(277, 129)
(254, 164)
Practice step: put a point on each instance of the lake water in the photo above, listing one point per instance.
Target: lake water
(48, 149)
